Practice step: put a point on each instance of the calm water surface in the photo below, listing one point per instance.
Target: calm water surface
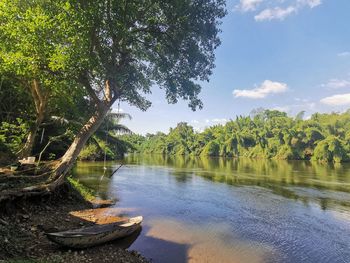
(225, 210)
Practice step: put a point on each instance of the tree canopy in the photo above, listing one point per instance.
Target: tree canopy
(136, 44)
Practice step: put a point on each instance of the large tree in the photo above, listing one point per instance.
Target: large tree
(33, 38)
(119, 49)
(128, 46)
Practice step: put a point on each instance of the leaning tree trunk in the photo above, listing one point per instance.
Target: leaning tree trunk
(80, 140)
(95, 121)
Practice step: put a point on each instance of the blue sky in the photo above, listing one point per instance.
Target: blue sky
(290, 55)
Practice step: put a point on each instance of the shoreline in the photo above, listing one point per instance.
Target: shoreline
(24, 222)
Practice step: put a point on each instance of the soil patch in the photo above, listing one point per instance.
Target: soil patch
(23, 225)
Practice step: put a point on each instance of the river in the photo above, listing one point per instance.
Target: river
(230, 210)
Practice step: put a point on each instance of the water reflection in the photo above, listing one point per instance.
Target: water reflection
(96, 176)
(284, 178)
(229, 210)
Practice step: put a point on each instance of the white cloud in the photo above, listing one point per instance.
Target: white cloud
(337, 100)
(344, 54)
(266, 88)
(337, 84)
(275, 13)
(282, 108)
(201, 125)
(296, 108)
(220, 121)
(280, 13)
(310, 3)
(248, 5)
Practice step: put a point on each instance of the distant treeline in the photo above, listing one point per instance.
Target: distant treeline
(263, 134)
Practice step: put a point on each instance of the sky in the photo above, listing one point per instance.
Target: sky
(289, 55)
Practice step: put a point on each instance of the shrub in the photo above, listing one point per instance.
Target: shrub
(330, 150)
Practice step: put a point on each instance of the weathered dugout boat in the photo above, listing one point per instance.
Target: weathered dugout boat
(96, 235)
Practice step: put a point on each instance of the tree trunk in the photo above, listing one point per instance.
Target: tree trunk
(77, 145)
(40, 98)
(95, 121)
(28, 146)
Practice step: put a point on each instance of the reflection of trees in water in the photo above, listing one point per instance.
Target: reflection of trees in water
(180, 176)
(276, 175)
(95, 177)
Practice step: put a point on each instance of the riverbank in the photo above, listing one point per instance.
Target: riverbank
(23, 224)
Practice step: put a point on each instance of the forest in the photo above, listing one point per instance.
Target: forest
(263, 134)
(63, 117)
(63, 64)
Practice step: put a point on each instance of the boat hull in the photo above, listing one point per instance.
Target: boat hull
(96, 235)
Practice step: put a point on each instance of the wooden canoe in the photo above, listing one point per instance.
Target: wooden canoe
(95, 235)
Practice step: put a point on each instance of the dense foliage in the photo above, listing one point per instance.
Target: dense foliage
(264, 134)
(62, 119)
(57, 130)
(74, 59)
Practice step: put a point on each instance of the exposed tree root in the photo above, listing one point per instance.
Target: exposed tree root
(25, 178)
(28, 186)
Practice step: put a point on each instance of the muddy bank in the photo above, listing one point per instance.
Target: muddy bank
(23, 224)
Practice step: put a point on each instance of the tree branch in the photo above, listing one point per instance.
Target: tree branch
(83, 79)
(35, 97)
(108, 93)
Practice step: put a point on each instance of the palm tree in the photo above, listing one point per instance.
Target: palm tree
(106, 137)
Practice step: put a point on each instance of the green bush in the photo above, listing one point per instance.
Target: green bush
(286, 153)
(211, 149)
(12, 136)
(330, 150)
(89, 153)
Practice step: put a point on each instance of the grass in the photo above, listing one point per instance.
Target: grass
(84, 191)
